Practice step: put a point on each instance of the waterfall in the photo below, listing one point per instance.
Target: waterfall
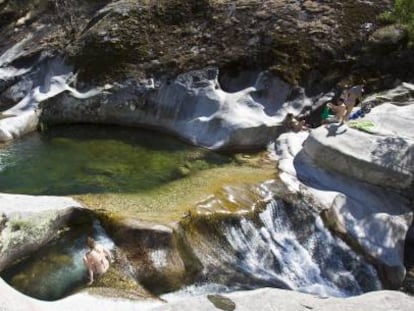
(318, 263)
(101, 236)
(283, 246)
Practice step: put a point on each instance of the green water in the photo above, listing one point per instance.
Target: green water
(81, 159)
(53, 271)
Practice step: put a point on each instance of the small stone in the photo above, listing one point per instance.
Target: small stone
(221, 302)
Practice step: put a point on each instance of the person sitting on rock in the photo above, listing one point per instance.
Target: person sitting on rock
(295, 125)
(340, 110)
(96, 260)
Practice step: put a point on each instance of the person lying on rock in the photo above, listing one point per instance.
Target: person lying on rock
(96, 260)
(339, 110)
(295, 125)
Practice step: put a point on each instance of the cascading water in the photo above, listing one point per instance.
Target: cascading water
(286, 247)
(320, 264)
(58, 269)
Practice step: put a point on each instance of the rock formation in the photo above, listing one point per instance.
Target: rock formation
(361, 176)
(221, 75)
(29, 222)
(122, 47)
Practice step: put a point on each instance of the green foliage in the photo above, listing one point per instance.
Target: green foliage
(404, 14)
(404, 11)
(387, 18)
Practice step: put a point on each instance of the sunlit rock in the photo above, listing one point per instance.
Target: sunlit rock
(265, 299)
(401, 95)
(378, 149)
(29, 222)
(193, 106)
(346, 173)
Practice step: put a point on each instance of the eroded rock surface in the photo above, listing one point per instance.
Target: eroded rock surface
(342, 172)
(193, 106)
(136, 46)
(146, 53)
(30, 222)
(381, 154)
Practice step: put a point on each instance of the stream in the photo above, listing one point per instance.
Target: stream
(281, 245)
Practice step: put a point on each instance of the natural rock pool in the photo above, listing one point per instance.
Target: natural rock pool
(128, 171)
(140, 175)
(79, 159)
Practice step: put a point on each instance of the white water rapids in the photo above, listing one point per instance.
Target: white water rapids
(301, 263)
(285, 246)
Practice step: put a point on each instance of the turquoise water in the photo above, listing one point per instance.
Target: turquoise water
(54, 271)
(57, 269)
(92, 159)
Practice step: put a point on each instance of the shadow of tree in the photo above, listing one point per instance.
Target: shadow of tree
(389, 154)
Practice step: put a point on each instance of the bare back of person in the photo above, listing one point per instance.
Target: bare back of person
(97, 260)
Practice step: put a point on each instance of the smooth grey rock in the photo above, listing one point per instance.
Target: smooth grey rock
(347, 174)
(18, 204)
(401, 95)
(193, 106)
(383, 157)
(265, 299)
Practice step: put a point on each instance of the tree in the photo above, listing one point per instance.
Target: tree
(404, 11)
(404, 14)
